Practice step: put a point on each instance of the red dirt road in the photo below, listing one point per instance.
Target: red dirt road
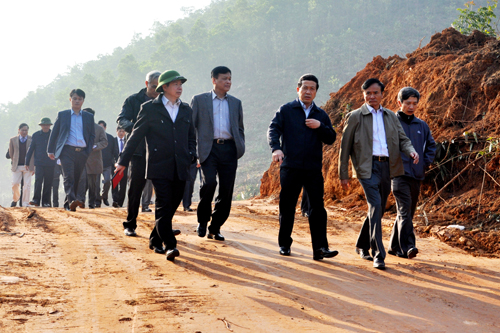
(77, 272)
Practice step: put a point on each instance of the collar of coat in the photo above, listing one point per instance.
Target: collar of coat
(365, 111)
(296, 104)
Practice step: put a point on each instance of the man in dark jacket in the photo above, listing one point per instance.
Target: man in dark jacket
(303, 128)
(406, 188)
(44, 166)
(126, 120)
(108, 162)
(71, 141)
(167, 125)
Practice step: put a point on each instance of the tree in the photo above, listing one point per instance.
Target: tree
(470, 20)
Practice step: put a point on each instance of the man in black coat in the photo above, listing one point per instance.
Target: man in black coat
(44, 166)
(108, 162)
(126, 120)
(167, 125)
(302, 128)
(71, 141)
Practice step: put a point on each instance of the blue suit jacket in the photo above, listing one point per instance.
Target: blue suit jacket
(60, 132)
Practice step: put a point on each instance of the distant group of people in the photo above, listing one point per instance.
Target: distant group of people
(162, 143)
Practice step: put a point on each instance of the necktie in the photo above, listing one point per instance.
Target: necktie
(121, 145)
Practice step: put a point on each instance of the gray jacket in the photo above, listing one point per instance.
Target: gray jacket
(203, 119)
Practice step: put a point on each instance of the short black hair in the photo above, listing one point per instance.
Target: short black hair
(78, 92)
(219, 70)
(22, 125)
(371, 81)
(119, 128)
(408, 92)
(102, 122)
(89, 110)
(308, 77)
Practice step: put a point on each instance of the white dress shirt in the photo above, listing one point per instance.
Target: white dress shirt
(172, 108)
(379, 138)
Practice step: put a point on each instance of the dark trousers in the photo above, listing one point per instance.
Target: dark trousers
(377, 189)
(137, 182)
(90, 183)
(106, 183)
(72, 164)
(304, 203)
(147, 193)
(222, 164)
(44, 176)
(188, 189)
(168, 197)
(120, 190)
(406, 191)
(292, 180)
(55, 185)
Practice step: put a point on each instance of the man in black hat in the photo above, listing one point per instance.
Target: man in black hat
(167, 125)
(126, 120)
(44, 166)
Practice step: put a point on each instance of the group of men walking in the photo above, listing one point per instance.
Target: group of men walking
(167, 140)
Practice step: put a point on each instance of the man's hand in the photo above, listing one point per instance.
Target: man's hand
(415, 157)
(51, 156)
(119, 168)
(27, 167)
(344, 183)
(278, 156)
(313, 123)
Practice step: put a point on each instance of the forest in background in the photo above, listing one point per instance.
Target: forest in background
(268, 44)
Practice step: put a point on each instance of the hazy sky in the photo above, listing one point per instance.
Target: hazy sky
(41, 39)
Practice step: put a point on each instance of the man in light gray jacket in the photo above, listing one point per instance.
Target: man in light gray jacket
(218, 119)
(372, 138)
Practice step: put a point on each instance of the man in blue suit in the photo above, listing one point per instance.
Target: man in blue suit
(71, 141)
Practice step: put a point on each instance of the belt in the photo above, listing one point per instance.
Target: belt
(222, 141)
(75, 148)
(381, 158)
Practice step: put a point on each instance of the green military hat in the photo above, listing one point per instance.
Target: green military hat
(167, 77)
(45, 121)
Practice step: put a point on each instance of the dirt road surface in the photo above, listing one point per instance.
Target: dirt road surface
(77, 272)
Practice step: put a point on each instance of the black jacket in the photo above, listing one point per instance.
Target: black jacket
(301, 145)
(38, 149)
(60, 132)
(128, 116)
(170, 146)
(108, 152)
(421, 138)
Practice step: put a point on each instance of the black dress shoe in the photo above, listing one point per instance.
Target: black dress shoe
(285, 251)
(324, 253)
(397, 254)
(129, 232)
(105, 201)
(171, 254)
(116, 205)
(188, 209)
(146, 210)
(217, 236)
(305, 214)
(34, 203)
(98, 206)
(46, 205)
(176, 232)
(379, 263)
(202, 229)
(412, 253)
(364, 254)
(13, 203)
(158, 249)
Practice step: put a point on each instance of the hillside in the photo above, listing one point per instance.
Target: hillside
(264, 43)
(458, 77)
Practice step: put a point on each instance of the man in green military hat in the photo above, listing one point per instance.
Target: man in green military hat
(44, 166)
(166, 123)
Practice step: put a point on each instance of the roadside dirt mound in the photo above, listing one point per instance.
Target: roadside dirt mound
(458, 77)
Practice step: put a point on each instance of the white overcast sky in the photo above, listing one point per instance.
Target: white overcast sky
(41, 39)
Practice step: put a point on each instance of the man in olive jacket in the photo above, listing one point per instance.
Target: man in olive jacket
(167, 125)
(373, 138)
